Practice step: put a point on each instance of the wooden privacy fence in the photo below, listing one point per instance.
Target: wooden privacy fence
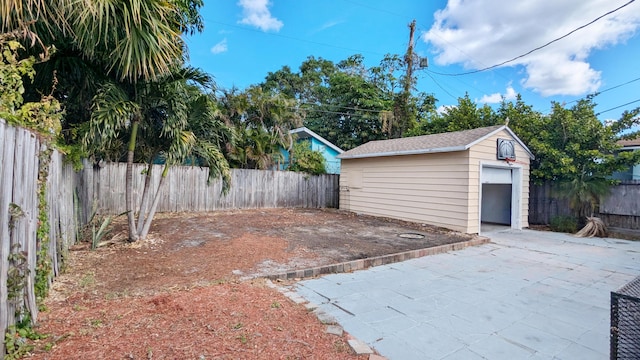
(19, 215)
(72, 196)
(186, 189)
(619, 209)
(545, 204)
(20, 162)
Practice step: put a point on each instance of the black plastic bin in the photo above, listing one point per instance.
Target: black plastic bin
(625, 321)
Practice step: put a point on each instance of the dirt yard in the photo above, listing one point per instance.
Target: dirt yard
(192, 289)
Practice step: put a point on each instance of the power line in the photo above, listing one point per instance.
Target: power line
(604, 91)
(539, 47)
(615, 87)
(618, 107)
(471, 58)
(441, 87)
(340, 107)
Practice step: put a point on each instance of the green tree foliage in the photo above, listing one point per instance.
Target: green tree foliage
(303, 159)
(261, 120)
(464, 116)
(44, 116)
(350, 104)
(119, 73)
(157, 120)
(572, 147)
(139, 39)
(569, 143)
(98, 42)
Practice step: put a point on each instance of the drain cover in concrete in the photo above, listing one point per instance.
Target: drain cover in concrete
(411, 236)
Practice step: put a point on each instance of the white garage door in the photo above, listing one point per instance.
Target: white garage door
(491, 175)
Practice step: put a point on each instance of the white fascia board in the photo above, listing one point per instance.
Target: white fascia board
(404, 152)
(531, 156)
(513, 135)
(320, 138)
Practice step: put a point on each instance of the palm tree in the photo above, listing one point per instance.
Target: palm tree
(135, 47)
(98, 42)
(584, 192)
(131, 39)
(154, 116)
(264, 151)
(262, 120)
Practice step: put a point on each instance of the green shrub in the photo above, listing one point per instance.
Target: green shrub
(563, 223)
(303, 159)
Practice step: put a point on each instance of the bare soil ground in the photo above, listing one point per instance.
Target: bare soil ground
(191, 290)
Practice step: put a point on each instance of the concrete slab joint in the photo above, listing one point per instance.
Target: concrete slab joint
(525, 295)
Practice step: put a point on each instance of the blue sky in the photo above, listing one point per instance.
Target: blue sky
(244, 40)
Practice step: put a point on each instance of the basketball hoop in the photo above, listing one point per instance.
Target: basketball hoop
(510, 160)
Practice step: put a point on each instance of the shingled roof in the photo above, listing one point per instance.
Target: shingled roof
(445, 142)
(629, 143)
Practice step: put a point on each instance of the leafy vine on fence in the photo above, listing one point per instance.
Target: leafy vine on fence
(43, 263)
(43, 117)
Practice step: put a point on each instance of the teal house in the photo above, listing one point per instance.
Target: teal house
(633, 172)
(317, 143)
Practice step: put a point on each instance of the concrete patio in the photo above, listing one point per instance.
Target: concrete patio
(525, 295)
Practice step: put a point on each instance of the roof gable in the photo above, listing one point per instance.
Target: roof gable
(304, 132)
(434, 143)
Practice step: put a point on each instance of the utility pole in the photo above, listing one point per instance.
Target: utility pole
(402, 118)
(408, 59)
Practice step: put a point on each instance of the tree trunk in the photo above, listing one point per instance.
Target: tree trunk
(154, 205)
(145, 196)
(133, 233)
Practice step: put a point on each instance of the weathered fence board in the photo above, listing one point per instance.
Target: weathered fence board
(63, 224)
(20, 152)
(619, 209)
(18, 222)
(545, 203)
(624, 199)
(6, 188)
(186, 189)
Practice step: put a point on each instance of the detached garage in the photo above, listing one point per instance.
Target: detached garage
(455, 180)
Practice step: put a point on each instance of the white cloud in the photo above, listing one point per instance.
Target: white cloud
(220, 47)
(256, 13)
(495, 98)
(444, 108)
(482, 33)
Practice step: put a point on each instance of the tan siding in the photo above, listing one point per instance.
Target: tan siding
(441, 189)
(457, 197)
(430, 188)
(486, 151)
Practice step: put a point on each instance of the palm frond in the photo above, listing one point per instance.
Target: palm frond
(214, 159)
(112, 112)
(138, 36)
